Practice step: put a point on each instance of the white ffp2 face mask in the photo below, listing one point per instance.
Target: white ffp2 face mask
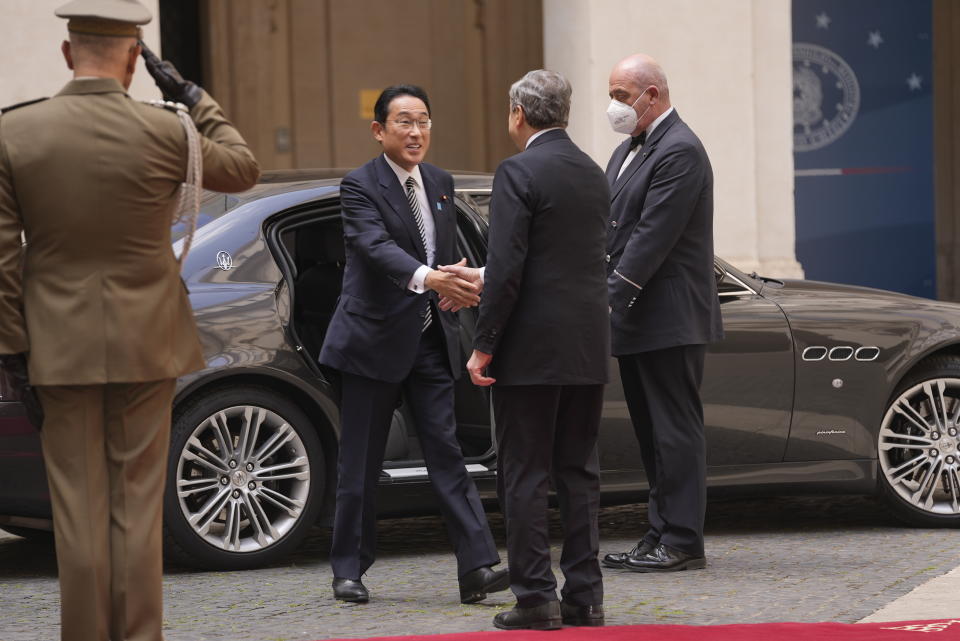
(623, 119)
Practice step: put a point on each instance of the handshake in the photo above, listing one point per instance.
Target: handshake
(459, 286)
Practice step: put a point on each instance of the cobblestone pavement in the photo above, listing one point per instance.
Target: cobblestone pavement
(784, 559)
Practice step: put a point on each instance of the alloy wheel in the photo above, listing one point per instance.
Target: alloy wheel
(243, 478)
(918, 446)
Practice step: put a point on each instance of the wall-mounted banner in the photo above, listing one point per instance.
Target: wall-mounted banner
(863, 142)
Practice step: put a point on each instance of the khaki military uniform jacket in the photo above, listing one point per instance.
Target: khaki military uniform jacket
(91, 177)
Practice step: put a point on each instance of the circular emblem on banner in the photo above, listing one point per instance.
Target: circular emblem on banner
(224, 260)
(826, 96)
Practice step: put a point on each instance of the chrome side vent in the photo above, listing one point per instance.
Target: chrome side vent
(842, 353)
(867, 353)
(814, 354)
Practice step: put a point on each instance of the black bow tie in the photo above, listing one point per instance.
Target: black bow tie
(637, 141)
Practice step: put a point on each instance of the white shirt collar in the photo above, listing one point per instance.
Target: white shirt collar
(403, 174)
(538, 134)
(661, 118)
(636, 150)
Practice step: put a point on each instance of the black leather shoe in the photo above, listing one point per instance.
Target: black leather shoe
(475, 585)
(350, 590)
(540, 617)
(581, 615)
(617, 559)
(665, 559)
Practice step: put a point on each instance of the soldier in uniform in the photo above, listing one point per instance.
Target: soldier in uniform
(99, 313)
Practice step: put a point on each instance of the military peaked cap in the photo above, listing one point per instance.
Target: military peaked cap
(105, 17)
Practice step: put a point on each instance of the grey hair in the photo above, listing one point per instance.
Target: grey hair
(545, 98)
(100, 49)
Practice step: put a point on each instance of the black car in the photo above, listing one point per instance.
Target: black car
(816, 388)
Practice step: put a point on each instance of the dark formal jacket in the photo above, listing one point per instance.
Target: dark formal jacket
(375, 330)
(663, 291)
(543, 312)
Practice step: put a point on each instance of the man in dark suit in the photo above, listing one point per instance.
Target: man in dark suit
(543, 334)
(388, 337)
(663, 306)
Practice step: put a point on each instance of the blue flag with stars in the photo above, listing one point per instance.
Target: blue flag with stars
(863, 142)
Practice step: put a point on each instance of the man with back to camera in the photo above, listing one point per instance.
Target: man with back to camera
(388, 336)
(543, 333)
(91, 178)
(664, 308)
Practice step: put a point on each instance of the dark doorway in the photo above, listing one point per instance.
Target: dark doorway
(946, 106)
(180, 37)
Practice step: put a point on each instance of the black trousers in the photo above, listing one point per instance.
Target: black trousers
(544, 432)
(662, 389)
(366, 412)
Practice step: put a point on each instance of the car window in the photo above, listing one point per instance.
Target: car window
(727, 283)
(289, 240)
(471, 234)
(212, 206)
(479, 200)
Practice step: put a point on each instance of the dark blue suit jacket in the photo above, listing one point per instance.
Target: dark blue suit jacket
(543, 313)
(660, 238)
(375, 330)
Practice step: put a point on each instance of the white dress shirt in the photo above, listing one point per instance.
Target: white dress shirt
(636, 150)
(429, 228)
(538, 134)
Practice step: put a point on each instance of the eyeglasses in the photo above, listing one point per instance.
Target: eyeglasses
(404, 124)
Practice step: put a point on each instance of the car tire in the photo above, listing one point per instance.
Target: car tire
(245, 480)
(917, 446)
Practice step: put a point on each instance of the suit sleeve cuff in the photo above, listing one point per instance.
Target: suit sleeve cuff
(485, 344)
(626, 280)
(417, 282)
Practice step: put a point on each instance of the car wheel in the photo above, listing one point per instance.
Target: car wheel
(918, 445)
(245, 480)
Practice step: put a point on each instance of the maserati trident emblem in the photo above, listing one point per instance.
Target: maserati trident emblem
(224, 260)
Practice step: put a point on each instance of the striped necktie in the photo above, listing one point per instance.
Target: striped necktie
(418, 216)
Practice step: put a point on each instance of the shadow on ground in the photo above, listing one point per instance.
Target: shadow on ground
(427, 534)
(22, 558)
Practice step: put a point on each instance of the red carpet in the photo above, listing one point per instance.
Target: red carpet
(946, 630)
